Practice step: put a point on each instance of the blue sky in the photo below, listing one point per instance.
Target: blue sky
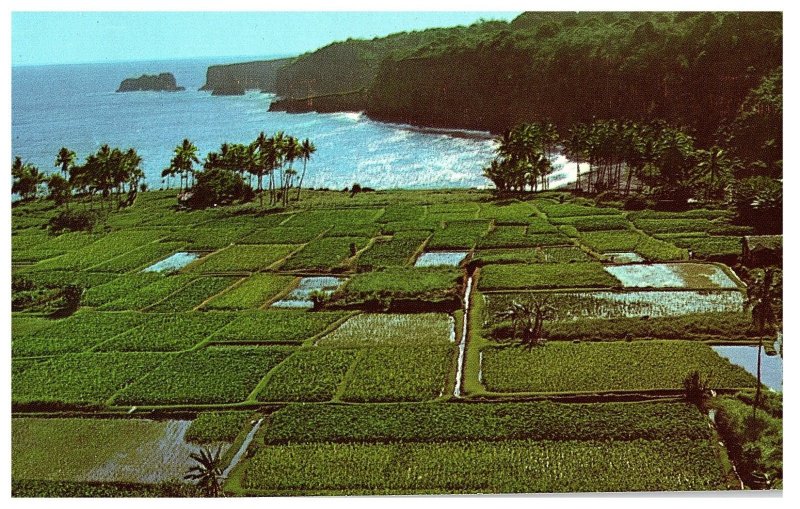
(80, 37)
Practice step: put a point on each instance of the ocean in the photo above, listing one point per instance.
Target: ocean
(76, 106)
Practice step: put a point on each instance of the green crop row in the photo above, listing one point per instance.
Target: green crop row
(601, 367)
(214, 427)
(553, 209)
(487, 467)
(147, 294)
(193, 294)
(277, 326)
(418, 284)
(119, 287)
(284, 235)
(399, 374)
(438, 422)
(254, 292)
(325, 254)
(138, 257)
(536, 255)
(81, 379)
(595, 223)
(211, 375)
(243, 258)
(77, 333)
(459, 234)
(167, 332)
(393, 252)
(112, 245)
(546, 275)
(308, 375)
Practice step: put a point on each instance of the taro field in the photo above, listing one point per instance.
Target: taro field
(368, 345)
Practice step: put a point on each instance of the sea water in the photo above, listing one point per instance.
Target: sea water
(76, 106)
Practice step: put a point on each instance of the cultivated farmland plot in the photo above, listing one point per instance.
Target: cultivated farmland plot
(392, 329)
(672, 275)
(604, 304)
(300, 297)
(602, 367)
(118, 450)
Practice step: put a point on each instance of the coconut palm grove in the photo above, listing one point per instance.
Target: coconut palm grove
(603, 315)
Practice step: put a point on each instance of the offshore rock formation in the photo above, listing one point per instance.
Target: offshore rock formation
(164, 82)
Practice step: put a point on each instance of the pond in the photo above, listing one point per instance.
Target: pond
(440, 258)
(172, 263)
(746, 356)
(672, 275)
(300, 296)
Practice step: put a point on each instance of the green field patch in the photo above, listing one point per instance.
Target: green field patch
(243, 258)
(146, 294)
(399, 374)
(393, 252)
(209, 238)
(549, 239)
(506, 236)
(710, 248)
(40, 246)
(553, 209)
(546, 275)
(211, 375)
(118, 288)
(167, 332)
(139, 258)
(419, 284)
(193, 294)
(625, 241)
(672, 275)
(215, 427)
(81, 379)
(325, 254)
(77, 333)
(277, 326)
(595, 223)
(460, 234)
(437, 422)
(415, 329)
(254, 292)
(427, 223)
(402, 212)
(507, 213)
(110, 246)
(602, 367)
(308, 375)
(652, 226)
(284, 235)
(328, 218)
(111, 450)
(523, 466)
(531, 255)
(367, 230)
(671, 214)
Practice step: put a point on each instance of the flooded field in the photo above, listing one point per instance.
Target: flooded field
(440, 259)
(672, 275)
(124, 450)
(300, 297)
(623, 257)
(604, 304)
(173, 263)
(746, 356)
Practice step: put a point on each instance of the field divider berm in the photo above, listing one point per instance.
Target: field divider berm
(224, 290)
(280, 295)
(342, 387)
(314, 340)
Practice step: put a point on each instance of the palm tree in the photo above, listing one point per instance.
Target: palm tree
(183, 161)
(762, 292)
(207, 472)
(529, 317)
(26, 179)
(65, 159)
(306, 150)
(716, 169)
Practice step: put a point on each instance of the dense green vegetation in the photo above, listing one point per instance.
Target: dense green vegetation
(616, 366)
(309, 375)
(431, 422)
(545, 275)
(211, 427)
(418, 329)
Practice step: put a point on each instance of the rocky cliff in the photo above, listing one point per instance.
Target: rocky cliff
(235, 79)
(164, 82)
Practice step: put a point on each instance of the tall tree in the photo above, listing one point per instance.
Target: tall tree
(307, 149)
(65, 159)
(208, 471)
(762, 293)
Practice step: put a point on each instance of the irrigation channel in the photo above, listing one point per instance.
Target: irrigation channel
(238, 456)
(462, 346)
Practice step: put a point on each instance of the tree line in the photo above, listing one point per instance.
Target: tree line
(113, 173)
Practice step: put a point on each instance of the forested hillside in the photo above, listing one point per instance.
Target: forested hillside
(692, 69)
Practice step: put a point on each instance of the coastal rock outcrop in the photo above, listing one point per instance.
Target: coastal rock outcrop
(235, 79)
(164, 82)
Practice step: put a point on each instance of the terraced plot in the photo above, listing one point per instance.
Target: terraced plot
(211, 375)
(243, 258)
(672, 275)
(253, 292)
(392, 329)
(167, 332)
(277, 326)
(193, 294)
(601, 367)
(309, 375)
(543, 275)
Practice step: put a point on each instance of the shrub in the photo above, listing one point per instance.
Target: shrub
(218, 186)
(75, 220)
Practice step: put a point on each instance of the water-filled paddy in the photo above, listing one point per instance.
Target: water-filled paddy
(173, 263)
(671, 275)
(746, 356)
(440, 258)
(300, 297)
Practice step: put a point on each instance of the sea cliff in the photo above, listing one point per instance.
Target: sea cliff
(235, 79)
